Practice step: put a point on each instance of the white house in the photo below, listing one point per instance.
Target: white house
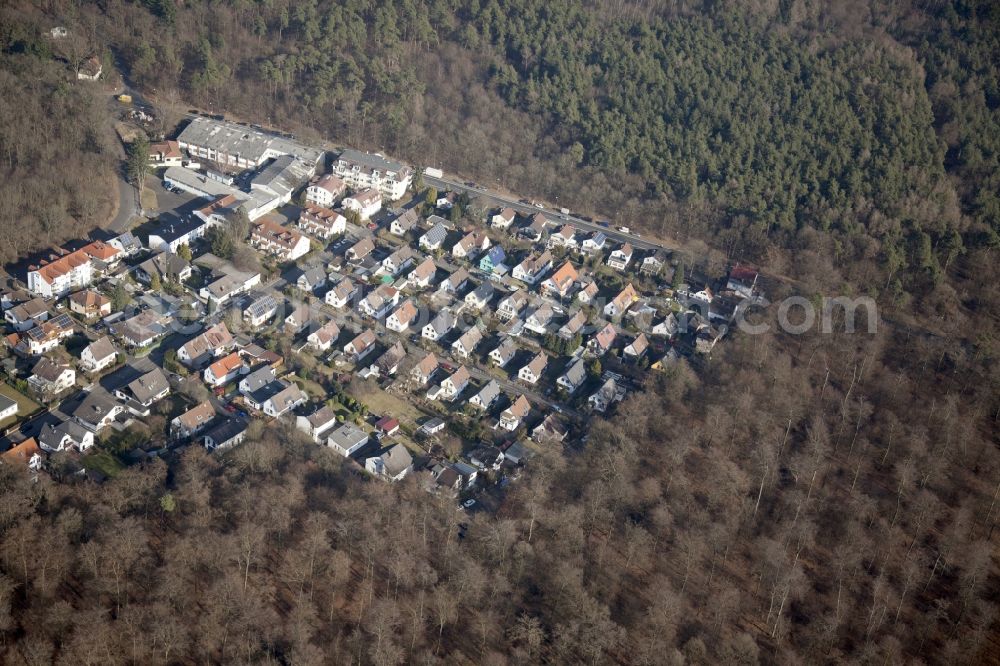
(347, 439)
(620, 259)
(466, 344)
(402, 317)
(321, 222)
(323, 338)
(434, 238)
(341, 294)
(378, 303)
(532, 372)
(364, 170)
(502, 219)
(511, 417)
(574, 376)
(512, 306)
(365, 203)
(317, 424)
(504, 352)
(439, 326)
(404, 222)
(325, 190)
(533, 268)
(362, 345)
(392, 465)
(594, 244)
(473, 242)
(455, 383)
(486, 396)
(424, 370)
(284, 243)
(98, 355)
(422, 275)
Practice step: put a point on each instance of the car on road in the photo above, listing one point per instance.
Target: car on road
(602, 223)
(539, 205)
(468, 504)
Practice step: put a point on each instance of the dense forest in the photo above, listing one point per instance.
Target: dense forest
(795, 499)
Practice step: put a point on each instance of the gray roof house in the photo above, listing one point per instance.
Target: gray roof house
(347, 439)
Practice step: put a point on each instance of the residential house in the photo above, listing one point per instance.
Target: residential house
(90, 69)
(98, 410)
(492, 260)
(212, 343)
(575, 375)
(434, 238)
(284, 243)
(532, 372)
(422, 275)
(620, 258)
(504, 352)
(391, 465)
(26, 453)
(228, 284)
(486, 396)
(387, 426)
(455, 383)
(573, 326)
(511, 417)
(260, 310)
(347, 439)
(341, 294)
(317, 424)
(311, 279)
(98, 355)
(27, 315)
(321, 223)
(605, 396)
(404, 222)
(561, 282)
(617, 306)
(486, 457)
(323, 337)
(388, 363)
(366, 203)
(60, 274)
(637, 347)
(361, 170)
(378, 303)
(440, 326)
(192, 421)
(480, 297)
(44, 337)
(551, 429)
(588, 291)
(432, 426)
(704, 295)
(533, 268)
(402, 317)
(225, 435)
(283, 401)
(564, 237)
(516, 454)
(666, 328)
(225, 370)
(455, 282)
(90, 304)
(535, 229)
(64, 436)
(467, 342)
(49, 378)
(399, 260)
(502, 219)
(256, 380)
(446, 200)
(471, 243)
(742, 280)
(424, 370)
(602, 340)
(171, 235)
(298, 318)
(357, 252)
(166, 266)
(362, 345)
(594, 244)
(148, 389)
(165, 154)
(512, 305)
(652, 264)
(325, 190)
(538, 320)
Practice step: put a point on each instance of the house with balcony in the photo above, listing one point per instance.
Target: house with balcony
(366, 203)
(325, 190)
(370, 170)
(322, 223)
(284, 243)
(532, 372)
(533, 268)
(620, 258)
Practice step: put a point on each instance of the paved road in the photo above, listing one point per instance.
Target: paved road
(554, 215)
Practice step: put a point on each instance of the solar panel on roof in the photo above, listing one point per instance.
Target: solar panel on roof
(63, 321)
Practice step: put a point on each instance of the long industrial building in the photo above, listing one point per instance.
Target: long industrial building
(238, 146)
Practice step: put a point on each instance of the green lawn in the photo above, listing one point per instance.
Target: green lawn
(25, 405)
(104, 462)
